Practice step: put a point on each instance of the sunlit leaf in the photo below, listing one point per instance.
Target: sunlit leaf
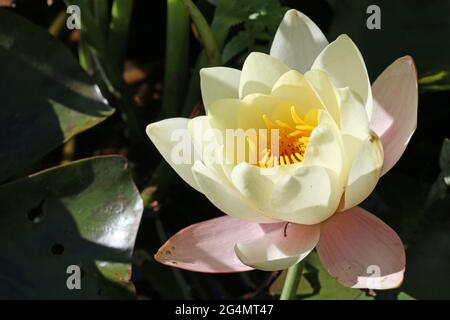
(435, 81)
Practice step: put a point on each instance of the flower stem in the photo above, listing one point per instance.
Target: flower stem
(206, 35)
(102, 15)
(294, 274)
(176, 61)
(58, 24)
(118, 30)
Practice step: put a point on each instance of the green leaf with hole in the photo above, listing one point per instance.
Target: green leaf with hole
(46, 97)
(85, 214)
(317, 284)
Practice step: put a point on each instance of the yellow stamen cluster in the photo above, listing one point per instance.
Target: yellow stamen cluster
(293, 140)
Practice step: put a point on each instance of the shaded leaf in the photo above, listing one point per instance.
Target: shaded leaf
(318, 284)
(234, 12)
(439, 189)
(86, 213)
(46, 97)
(404, 296)
(427, 275)
(436, 81)
(236, 45)
(260, 24)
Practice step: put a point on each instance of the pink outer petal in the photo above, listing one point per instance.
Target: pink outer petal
(361, 251)
(208, 246)
(394, 116)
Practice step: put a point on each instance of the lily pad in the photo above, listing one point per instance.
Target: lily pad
(46, 97)
(85, 214)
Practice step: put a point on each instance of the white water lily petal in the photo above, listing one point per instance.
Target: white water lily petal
(298, 41)
(364, 173)
(221, 193)
(160, 133)
(325, 146)
(326, 90)
(259, 74)
(205, 143)
(198, 127)
(279, 248)
(309, 196)
(256, 187)
(292, 87)
(253, 107)
(354, 121)
(219, 83)
(354, 125)
(343, 62)
(224, 114)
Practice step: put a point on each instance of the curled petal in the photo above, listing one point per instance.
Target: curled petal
(354, 121)
(298, 41)
(280, 248)
(325, 146)
(224, 196)
(309, 196)
(364, 173)
(361, 251)
(208, 246)
(394, 117)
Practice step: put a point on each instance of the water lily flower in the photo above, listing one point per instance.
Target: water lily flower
(338, 134)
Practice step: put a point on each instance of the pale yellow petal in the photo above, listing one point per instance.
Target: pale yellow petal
(259, 73)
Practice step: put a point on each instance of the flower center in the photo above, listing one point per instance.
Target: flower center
(292, 141)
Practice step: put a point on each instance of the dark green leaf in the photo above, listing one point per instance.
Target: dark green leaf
(404, 296)
(260, 25)
(318, 284)
(439, 189)
(86, 213)
(234, 12)
(428, 261)
(46, 96)
(444, 160)
(236, 45)
(435, 81)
